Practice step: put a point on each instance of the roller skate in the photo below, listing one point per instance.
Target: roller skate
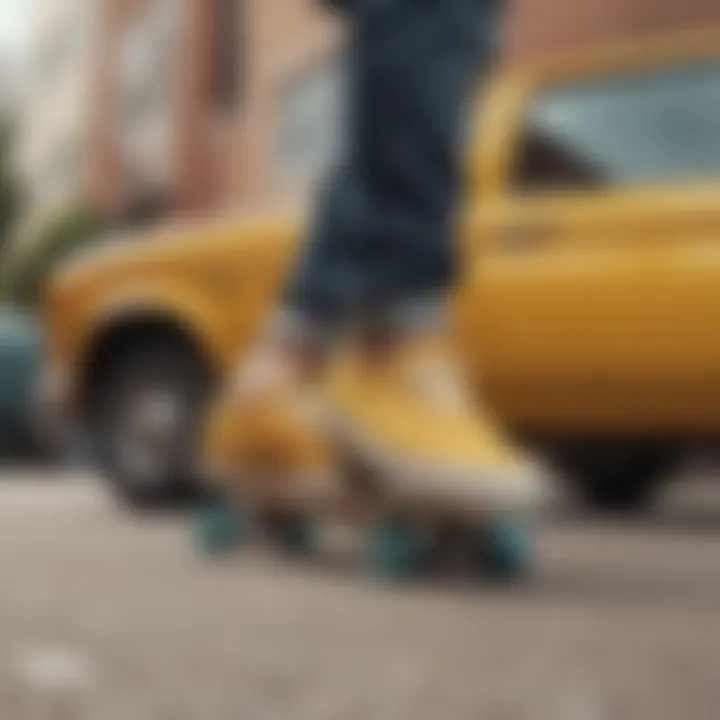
(268, 467)
(387, 442)
(449, 489)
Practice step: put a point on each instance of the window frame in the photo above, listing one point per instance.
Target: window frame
(517, 114)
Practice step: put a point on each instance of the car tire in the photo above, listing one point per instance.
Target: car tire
(145, 407)
(618, 480)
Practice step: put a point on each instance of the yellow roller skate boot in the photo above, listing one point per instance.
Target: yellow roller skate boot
(267, 457)
(403, 411)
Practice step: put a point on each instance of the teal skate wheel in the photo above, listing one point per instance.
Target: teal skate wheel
(397, 550)
(504, 550)
(220, 527)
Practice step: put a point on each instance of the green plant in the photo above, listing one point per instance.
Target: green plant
(60, 237)
(10, 192)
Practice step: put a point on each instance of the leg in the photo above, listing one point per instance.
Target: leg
(381, 238)
(380, 250)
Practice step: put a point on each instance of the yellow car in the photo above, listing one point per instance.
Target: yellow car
(588, 311)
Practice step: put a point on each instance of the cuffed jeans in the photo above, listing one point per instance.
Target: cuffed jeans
(381, 242)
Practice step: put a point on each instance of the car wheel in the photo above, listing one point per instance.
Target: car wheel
(618, 480)
(145, 409)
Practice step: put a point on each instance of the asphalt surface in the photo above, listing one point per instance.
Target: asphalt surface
(106, 615)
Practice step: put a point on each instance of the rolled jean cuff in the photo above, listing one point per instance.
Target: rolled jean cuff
(297, 329)
(412, 316)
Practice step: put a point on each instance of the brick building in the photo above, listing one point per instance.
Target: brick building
(131, 105)
(197, 105)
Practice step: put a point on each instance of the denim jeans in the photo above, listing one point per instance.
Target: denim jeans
(381, 236)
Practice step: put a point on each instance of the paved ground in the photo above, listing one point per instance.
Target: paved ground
(619, 622)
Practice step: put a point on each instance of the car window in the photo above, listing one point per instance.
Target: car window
(642, 129)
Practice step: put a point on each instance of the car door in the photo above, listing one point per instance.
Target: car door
(596, 273)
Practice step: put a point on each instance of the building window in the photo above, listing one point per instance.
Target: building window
(148, 77)
(67, 47)
(148, 60)
(646, 128)
(227, 65)
(311, 122)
